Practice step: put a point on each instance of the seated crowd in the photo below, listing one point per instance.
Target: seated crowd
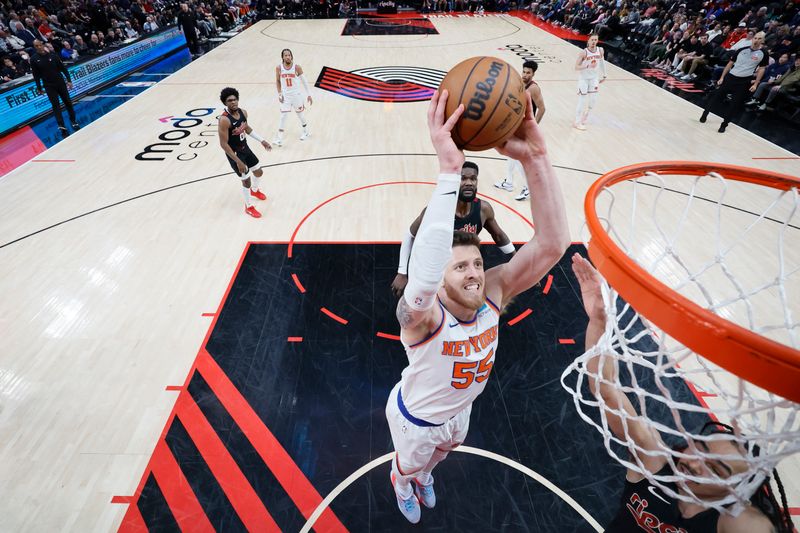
(693, 41)
(78, 28)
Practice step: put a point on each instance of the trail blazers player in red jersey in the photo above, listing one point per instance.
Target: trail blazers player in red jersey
(233, 129)
(644, 506)
(472, 215)
(529, 69)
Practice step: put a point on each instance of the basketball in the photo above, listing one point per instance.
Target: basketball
(494, 102)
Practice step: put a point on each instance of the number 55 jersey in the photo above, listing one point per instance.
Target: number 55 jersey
(450, 368)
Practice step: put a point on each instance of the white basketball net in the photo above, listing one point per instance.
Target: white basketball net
(701, 237)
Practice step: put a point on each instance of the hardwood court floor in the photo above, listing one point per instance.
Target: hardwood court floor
(109, 263)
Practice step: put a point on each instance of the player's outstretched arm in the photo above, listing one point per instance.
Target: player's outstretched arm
(278, 83)
(542, 252)
(536, 96)
(255, 136)
(305, 84)
(401, 279)
(603, 372)
(603, 74)
(498, 235)
(222, 130)
(579, 63)
(416, 311)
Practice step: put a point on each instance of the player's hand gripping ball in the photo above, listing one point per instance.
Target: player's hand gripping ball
(494, 102)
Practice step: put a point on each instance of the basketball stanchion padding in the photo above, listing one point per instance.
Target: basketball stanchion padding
(702, 269)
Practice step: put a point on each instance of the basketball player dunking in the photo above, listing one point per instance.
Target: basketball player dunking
(472, 215)
(529, 69)
(591, 67)
(449, 312)
(232, 129)
(287, 74)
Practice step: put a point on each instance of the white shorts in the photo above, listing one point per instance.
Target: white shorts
(291, 102)
(415, 444)
(588, 85)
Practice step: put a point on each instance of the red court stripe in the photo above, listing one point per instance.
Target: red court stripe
(345, 193)
(388, 336)
(168, 424)
(548, 284)
(334, 316)
(174, 387)
(297, 282)
(208, 314)
(179, 495)
(519, 317)
(566, 341)
(295, 339)
(133, 522)
(283, 467)
(704, 394)
(234, 484)
(123, 499)
(794, 510)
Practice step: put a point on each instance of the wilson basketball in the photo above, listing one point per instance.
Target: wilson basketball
(494, 102)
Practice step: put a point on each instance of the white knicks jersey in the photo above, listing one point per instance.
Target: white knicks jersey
(289, 80)
(450, 368)
(592, 63)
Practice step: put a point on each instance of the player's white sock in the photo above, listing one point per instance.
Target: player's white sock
(437, 457)
(255, 182)
(402, 483)
(246, 195)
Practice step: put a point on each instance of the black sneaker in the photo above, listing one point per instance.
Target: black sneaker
(703, 117)
(75, 126)
(722, 127)
(64, 132)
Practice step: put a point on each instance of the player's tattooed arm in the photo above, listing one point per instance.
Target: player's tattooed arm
(409, 317)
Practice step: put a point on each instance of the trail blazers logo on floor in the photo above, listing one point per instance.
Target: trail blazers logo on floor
(382, 84)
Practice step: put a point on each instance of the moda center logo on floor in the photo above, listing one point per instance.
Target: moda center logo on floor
(531, 51)
(181, 136)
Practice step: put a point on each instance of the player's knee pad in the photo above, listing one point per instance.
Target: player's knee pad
(301, 117)
(592, 100)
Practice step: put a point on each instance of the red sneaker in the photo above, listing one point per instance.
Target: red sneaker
(258, 194)
(253, 212)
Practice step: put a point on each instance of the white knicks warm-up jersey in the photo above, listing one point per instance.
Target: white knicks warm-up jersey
(592, 62)
(289, 80)
(449, 369)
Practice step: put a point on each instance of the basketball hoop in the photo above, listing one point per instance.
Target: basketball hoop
(702, 293)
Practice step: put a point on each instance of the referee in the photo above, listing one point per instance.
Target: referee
(737, 79)
(47, 70)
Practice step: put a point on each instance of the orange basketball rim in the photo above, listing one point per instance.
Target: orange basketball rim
(761, 361)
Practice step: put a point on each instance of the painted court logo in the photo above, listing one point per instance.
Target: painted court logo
(382, 84)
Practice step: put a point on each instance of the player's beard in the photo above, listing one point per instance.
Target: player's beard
(464, 298)
(466, 199)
